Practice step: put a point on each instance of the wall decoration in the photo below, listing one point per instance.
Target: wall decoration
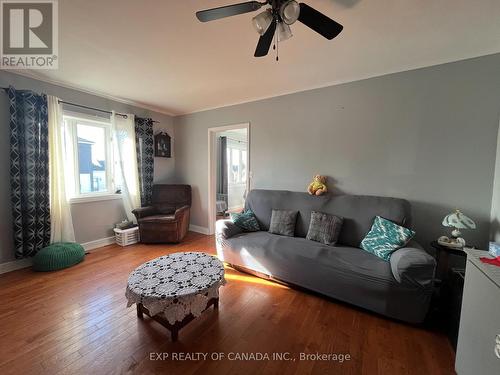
(163, 148)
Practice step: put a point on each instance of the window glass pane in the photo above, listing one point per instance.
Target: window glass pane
(228, 161)
(235, 164)
(243, 166)
(92, 159)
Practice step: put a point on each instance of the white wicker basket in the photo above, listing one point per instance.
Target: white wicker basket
(125, 237)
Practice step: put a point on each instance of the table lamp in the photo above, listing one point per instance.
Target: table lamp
(457, 220)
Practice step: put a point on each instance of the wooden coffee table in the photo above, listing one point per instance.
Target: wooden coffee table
(176, 288)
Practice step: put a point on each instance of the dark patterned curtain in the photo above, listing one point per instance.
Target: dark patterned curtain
(222, 166)
(145, 157)
(29, 171)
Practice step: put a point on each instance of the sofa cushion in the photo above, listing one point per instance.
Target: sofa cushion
(358, 211)
(283, 222)
(307, 263)
(385, 237)
(246, 221)
(164, 208)
(346, 273)
(324, 228)
(171, 195)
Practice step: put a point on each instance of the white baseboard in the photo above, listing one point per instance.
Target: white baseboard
(198, 229)
(15, 265)
(98, 243)
(28, 262)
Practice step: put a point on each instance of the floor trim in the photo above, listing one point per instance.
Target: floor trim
(98, 243)
(28, 262)
(198, 229)
(15, 265)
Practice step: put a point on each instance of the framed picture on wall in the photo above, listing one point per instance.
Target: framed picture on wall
(163, 147)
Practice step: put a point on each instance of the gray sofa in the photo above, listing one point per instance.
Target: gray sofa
(400, 288)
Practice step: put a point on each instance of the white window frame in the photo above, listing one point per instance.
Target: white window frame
(236, 145)
(72, 120)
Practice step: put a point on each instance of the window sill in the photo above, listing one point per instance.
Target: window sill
(95, 198)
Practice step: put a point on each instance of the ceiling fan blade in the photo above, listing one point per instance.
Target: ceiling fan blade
(228, 11)
(265, 41)
(319, 22)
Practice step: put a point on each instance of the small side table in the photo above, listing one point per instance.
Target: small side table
(443, 259)
(449, 289)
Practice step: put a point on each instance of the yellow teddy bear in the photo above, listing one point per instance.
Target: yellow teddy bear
(318, 185)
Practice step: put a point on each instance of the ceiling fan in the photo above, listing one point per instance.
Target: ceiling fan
(276, 20)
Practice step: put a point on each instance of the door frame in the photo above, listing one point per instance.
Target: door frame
(212, 170)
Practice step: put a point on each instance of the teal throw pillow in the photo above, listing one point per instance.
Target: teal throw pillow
(246, 221)
(385, 237)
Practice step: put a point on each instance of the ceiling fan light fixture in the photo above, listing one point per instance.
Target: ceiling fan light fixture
(284, 32)
(290, 12)
(262, 21)
(273, 24)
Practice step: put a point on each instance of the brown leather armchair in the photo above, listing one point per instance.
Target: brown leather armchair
(167, 219)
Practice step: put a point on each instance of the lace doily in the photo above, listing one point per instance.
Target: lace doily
(176, 285)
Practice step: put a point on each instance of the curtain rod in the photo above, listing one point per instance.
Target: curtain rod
(96, 109)
(92, 108)
(232, 139)
(86, 107)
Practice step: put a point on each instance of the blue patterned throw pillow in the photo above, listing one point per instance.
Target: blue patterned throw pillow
(385, 237)
(246, 221)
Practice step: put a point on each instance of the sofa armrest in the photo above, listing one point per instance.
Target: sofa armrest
(412, 264)
(182, 218)
(226, 229)
(181, 212)
(144, 211)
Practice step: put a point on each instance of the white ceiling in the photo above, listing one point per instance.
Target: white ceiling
(157, 54)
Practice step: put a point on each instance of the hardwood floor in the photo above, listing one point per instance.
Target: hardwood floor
(75, 321)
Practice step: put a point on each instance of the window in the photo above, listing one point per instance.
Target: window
(236, 163)
(243, 166)
(90, 145)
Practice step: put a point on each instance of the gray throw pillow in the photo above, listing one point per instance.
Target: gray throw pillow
(324, 228)
(283, 222)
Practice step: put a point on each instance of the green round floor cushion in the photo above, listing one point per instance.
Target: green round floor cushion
(57, 256)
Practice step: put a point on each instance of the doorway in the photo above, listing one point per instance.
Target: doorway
(229, 171)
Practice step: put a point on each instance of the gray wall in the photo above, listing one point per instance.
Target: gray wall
(94, 220)
(427, 135)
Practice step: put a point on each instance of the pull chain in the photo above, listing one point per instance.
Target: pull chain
(277, 49)
(276, 42)
(275, 37)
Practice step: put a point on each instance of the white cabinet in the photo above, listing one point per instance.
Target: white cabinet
(478, 349)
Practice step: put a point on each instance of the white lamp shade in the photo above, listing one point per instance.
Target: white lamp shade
(458, 220)
(262, 21)
(284, 32)
(290, 12)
